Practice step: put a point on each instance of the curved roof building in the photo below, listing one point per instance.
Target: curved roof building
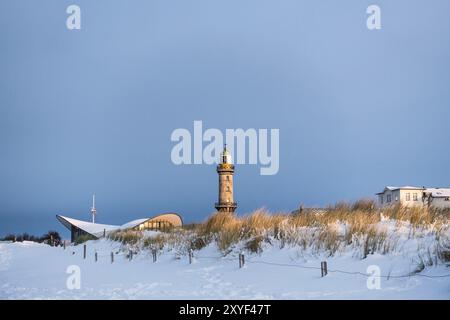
(96, 230)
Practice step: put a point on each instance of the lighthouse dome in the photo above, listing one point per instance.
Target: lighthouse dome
(225, 156)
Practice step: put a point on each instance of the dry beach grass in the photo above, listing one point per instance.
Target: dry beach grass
(358, 225)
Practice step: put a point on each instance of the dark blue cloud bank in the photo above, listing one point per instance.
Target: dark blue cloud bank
(92, 110)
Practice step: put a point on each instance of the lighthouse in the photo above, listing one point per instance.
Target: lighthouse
(225, 169)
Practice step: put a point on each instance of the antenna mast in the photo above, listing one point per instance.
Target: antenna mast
(93, 210)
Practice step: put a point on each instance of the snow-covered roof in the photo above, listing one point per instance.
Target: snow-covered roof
(435, 192)
(171, 217)
(133, 223)
(405, 187)
(96, 229)
(438, 192)
(391, 188)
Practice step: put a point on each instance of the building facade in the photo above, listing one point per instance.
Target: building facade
(437, 197)
(409, 196)
(225, 169)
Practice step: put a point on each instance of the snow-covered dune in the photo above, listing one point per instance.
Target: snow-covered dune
(36, 271)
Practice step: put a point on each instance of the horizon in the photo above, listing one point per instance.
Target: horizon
(92, 110)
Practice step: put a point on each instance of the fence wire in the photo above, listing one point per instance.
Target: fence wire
(117, 252)
(329, 270)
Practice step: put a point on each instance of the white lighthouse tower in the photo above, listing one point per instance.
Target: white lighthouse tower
(93, 210)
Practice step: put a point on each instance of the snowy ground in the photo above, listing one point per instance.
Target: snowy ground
(35, 271)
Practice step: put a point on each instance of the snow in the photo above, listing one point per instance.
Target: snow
(37, 271)
(133, 223)
(404, 187)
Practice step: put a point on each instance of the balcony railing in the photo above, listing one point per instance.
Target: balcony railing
(226, 205)
(225, 167)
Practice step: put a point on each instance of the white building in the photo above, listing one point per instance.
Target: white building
(93, 230)
(437, 197)
(410, 196)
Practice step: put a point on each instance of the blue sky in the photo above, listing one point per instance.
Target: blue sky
(92, 110)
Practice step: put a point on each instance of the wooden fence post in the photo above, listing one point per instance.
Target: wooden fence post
(323, 268)
(190, 256)
(241, 260)
(64, 244)
(130, 255)
(104, 233)
(84, 251)
(154, 255)
(96, 256)
(112, 257)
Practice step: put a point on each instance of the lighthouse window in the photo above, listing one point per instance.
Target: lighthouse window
(228, 178)
(228, 188)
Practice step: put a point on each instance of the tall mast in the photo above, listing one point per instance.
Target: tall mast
(93, 210)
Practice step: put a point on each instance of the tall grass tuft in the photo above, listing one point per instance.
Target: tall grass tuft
(332, 229)
(359, 226)
(127, 237)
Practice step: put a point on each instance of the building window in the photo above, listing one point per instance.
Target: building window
(388, 198)
(447, 199)
(415, 197)
(408, 196)
(381, 199)
(396, 198)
